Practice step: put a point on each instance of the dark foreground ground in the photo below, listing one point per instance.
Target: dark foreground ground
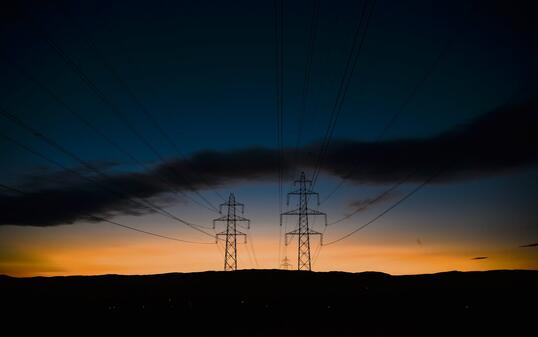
(275, 303)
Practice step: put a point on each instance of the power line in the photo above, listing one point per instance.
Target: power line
(138, 102)
(416, 88)
(512, 95)
(397, 113)
(52, 143)
(320, 246)
(307, 75)
(308, 69)
(90, 126)
(251, 242)
(117, 223)
(251, 261)
(376, 199)
(351, 63)
(145, 204)
(387, 126)
(349, 69)
(379, 216)
(279, 78)
(318, 249)
(220, 249)
(113, 108)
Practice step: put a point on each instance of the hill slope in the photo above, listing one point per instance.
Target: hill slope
(278, 303)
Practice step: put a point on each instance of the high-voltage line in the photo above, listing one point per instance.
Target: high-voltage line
(112, 106)
(115, 223)
(137, 101)
(145, 204)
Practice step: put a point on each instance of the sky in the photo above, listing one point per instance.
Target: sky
(106, 108)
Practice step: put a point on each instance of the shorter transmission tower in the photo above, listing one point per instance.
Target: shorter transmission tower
(231, 233)
(303, 231)
(285, 263)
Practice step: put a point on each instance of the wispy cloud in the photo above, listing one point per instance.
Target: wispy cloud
(529, 245)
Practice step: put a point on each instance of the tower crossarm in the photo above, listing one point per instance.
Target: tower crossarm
(299, 193)
(237, 233)
(308, 211)
(310, 232)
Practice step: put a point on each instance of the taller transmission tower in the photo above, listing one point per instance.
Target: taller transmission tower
(231, 233)
(303, 231)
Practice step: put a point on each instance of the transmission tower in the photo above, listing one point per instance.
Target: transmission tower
(285, 263)
(303, 231)
(231, 233)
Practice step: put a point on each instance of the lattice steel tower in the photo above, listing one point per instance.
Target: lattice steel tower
(231, 233)
(285, 263)
(303, 231)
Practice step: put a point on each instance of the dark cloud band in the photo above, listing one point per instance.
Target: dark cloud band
(497, 142)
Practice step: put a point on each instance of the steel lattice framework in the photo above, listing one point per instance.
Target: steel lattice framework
(231, 233)
(303, 231)
(285, 263)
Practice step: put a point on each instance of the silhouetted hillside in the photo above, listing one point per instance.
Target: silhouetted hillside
(276, 303)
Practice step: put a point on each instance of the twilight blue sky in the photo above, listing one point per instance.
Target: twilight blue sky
(206, 71)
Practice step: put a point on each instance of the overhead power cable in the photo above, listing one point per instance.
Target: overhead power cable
(115, 223)
(436, 174)
(396, 114)
(308, 69)
(146, 204)
(351, 63)
(387, 210)
(93, 128)
(376, 199)
(113, 107)
(279, 82)
(137, 101)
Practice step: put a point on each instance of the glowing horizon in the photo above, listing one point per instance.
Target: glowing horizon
(100, 253)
